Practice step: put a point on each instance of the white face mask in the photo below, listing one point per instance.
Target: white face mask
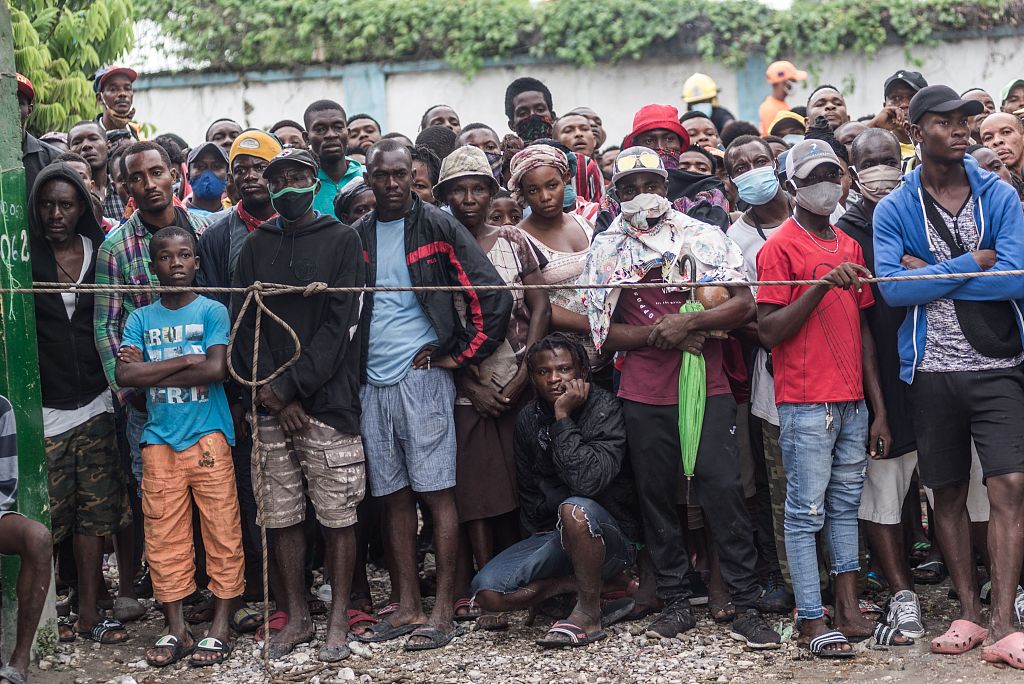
(820, 198)
(878, 181)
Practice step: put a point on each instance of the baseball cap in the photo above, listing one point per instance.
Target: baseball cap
(637, 159)
(940, 99)
(655, 116)
(294, 155)
(912, 79)
(26, 88)
(784, 71)
(255, 143)
(786, 115)
(806, 156)
(106, 72)
(199, 149)
(1003, 94)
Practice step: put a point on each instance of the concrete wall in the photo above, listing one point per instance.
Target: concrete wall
(398, 94)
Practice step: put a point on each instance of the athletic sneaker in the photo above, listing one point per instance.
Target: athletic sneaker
(674, 619)
(1018, 605)
(753, 629)
(905, 614)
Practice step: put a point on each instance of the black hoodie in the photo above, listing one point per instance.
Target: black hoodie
(70, 371)
(325, 379)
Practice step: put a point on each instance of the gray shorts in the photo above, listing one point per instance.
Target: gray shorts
(409, 433)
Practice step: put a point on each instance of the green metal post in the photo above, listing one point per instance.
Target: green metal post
(19, 359)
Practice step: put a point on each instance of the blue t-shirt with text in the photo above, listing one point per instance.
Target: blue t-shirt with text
(180, 416)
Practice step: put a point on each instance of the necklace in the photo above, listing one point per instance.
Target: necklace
(818, 242)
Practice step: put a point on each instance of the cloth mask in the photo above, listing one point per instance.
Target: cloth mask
(792, 138)
(534, 127)
(644, 206)
(495, 160)
(293, 203)
(878, 181)
(702, 107)
(569, 198)
(820, 198)
(757, 186)
(207, 186)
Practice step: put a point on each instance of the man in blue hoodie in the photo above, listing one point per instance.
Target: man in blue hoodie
(960, 351)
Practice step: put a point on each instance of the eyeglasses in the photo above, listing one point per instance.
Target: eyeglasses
(646, 160)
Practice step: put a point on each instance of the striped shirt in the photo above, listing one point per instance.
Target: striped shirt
(8, 458)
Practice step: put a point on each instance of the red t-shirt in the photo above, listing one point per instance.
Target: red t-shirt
(651, 375)
(822, 361)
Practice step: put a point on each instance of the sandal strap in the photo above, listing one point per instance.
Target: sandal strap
(108, 625)
(572, 634)
(886, 635)
(166, 641)
(819, 642)
(210, 644)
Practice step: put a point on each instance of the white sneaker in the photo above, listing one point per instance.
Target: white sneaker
(905, 614)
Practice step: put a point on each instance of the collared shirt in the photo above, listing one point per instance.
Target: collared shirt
(324, 201)
(123, 259)
(112, 204)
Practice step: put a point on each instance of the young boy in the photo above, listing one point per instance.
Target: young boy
(177, 348)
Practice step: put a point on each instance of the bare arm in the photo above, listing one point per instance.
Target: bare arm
(670, 331)
(213, 368)
(540, 319)
(567, 321)
(129, 372)
(776, 323)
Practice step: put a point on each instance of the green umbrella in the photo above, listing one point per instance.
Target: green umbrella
(692, 395)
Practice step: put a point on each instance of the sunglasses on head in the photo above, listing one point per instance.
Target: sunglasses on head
(646, 160)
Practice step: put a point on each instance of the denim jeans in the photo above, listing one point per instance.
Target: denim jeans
(133, 432)
(825, 462)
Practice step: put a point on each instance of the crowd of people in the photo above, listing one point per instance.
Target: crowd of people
(642, 447)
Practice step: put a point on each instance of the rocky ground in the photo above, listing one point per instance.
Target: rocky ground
(706, 654)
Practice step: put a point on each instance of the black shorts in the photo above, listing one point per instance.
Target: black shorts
(950, 409)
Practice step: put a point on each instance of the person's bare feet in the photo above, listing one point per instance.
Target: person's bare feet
(297, 631)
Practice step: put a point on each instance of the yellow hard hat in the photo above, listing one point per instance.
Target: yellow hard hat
(698, 88)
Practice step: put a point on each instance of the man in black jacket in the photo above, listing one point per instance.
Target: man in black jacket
(576, 497)
(35, 154)
(412, 341)
(88, 489)
(308, 417)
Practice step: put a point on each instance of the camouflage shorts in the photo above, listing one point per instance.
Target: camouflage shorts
(88, 491)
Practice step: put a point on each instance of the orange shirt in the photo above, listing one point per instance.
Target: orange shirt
(769, 108)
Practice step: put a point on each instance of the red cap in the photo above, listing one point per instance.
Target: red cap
(655, 116)
(106, 72)
(26, 88)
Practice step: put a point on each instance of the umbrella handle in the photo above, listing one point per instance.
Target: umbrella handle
(689, 261)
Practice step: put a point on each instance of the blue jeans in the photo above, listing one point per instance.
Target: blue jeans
(825, 476)
(133, 432)
(543, 556)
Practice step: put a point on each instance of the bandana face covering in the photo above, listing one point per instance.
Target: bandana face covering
(878, 181)
(495, 160)
(644, 206)
(535, 127)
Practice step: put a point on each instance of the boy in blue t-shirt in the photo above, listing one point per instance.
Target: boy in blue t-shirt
(177, 349)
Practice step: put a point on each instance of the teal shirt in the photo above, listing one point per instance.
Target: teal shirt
(324, 201)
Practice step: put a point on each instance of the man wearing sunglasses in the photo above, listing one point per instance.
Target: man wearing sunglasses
(648, 243)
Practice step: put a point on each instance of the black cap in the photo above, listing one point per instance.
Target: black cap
(912, 79)
(294, 155)
(940, 99)
(199, 149)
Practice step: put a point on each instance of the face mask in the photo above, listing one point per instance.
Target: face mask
(495, 160)
(702, 107)
(206, 186)
(793, 138)
(293, 203)
(534, 127)
(820, 198)
(878, 181)
(642, 207)
(668, 158)
(757, 186)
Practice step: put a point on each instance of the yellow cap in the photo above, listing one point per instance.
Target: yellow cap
(698, 88)
(255, 143)
(786, 114)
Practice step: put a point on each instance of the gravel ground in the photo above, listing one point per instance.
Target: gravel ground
(706, 654)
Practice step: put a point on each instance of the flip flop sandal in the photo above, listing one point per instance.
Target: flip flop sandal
(388, 609)
(875, 583)
(819, 643)
(438, 638)
(472, 607)
(278, 651)
(577, 636)
(961, 637)
(176, 647)
(492, 622)
(210, 645)
(246, 619)
(11, 675)
(128, 609)
(616, 611)
(66, 630)
(869, 607)
(276, 622)
(358, 617)
(101, 629)
(385, 631)
(919, 551)
(930, 572)
(334, 654)
(1009, 650)
(889, 636)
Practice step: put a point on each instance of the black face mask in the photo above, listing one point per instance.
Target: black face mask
(293, 203)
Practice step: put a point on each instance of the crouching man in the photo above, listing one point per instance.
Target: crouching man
(576, 498)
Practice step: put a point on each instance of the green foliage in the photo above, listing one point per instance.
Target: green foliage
(59, 44)
(244, 34)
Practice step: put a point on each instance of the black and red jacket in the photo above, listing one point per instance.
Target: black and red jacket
(440, 251)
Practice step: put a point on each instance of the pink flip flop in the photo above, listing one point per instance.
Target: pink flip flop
(961, 637)
(1009, 650)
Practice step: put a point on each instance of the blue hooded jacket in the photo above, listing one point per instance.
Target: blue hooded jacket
(899, 228)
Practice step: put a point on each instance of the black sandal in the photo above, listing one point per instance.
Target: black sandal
(438, 638)
(101, 629)
(565, 633)
(175, 645)
(930, 572)
(210, 645)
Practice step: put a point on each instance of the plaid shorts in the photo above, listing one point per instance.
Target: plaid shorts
(88, 488)
(330, 462)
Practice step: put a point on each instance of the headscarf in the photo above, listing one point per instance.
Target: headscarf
(530, 158)
(631, 248)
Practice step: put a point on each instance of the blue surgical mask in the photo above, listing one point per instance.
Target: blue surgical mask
(702, 107)
(207, 186)
(757, 186)
(569, 200)
(793, 138)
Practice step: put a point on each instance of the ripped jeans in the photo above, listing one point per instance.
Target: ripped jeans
(543, 555)
(824, 453)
